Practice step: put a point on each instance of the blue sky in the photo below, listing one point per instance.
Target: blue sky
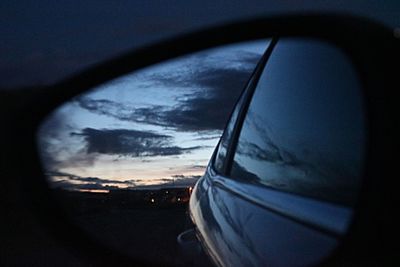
(153, 126)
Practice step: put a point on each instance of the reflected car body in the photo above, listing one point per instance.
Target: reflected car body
(236, 230)
(297, 214)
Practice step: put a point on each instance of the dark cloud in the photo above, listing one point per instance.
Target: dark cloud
(101, 107)
(207, 109)
(73, 182)
(178, 180)
(67, 185)
(90, 179)
(201, 167)
(189, 168)
(199, 69)
(132, 143)
(209, 84)
(207, 137)
(183, 180)
(54, 141)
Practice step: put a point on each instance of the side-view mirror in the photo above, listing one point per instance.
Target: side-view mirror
(262, 142)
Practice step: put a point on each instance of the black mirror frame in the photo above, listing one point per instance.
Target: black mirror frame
(373, 49)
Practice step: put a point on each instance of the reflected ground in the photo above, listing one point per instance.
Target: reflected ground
(143, 224)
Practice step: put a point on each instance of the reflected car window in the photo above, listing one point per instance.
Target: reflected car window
(222, 149)
(224, 143)
(226, 137)
(304, 131)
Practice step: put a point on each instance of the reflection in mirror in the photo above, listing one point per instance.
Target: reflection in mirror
(307, 134)
(124, 156)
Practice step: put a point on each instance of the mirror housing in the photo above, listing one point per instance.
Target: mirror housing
(375, 53)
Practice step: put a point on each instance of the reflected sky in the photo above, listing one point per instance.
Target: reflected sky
(305, 131)
(157, 125)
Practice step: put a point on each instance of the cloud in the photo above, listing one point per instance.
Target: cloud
(201, 167)
(73, 182)
(90, 179)
(54, 143)
(124, 142)
(184, 180)
(68, 185)
(209, 88)
(204, 110)
(195, 70)
(177, 181)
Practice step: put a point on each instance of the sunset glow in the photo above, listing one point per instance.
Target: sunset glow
(157, 126)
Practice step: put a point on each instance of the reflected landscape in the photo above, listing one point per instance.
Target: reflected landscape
(140, 223)
(124, 157)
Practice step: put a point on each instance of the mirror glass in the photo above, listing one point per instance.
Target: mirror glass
(123, 157)
(305, 134)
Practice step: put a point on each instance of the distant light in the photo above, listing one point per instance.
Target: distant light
(152, 200)
(103, 191)
(179, 199)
